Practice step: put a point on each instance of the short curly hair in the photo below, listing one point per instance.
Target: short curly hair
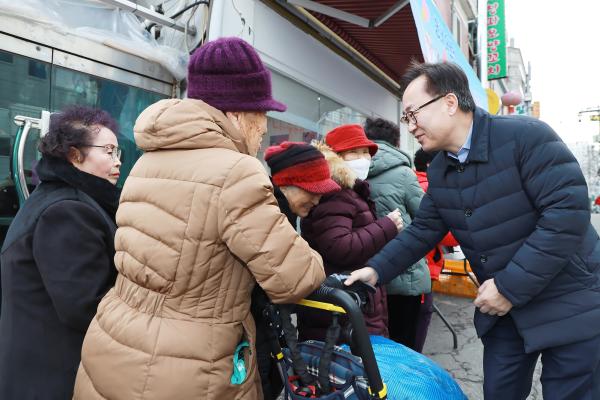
(381, 129)
(74, 127)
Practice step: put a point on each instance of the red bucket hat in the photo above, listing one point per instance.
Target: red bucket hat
(302, 165)
(348, 137)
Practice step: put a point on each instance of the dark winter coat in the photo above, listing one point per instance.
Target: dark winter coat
(435, 258)
(57, 263)
(394, 185)
(343, 228)
(519, 208)
(267, 368)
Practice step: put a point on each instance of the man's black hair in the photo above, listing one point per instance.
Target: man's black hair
(442, 78)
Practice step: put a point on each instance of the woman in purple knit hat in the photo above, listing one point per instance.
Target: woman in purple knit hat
(344, 228)
(198, 228)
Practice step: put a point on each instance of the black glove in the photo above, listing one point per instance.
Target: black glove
(359, 290)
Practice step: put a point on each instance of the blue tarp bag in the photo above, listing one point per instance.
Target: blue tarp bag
(412, 376)
(314, 369)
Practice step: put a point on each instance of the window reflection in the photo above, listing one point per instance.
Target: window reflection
(38, 69)
(24, 90)
(124, 103)
(309, 116)
(28, 86)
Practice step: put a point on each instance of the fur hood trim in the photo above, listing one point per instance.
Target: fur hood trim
(340, 172)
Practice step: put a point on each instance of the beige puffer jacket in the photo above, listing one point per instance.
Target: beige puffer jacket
(198, 226)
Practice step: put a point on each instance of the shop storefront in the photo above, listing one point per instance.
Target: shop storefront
(310, 114)
(337, 62)
(44, 69)
(321, 89)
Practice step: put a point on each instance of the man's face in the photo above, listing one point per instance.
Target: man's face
(430, 123)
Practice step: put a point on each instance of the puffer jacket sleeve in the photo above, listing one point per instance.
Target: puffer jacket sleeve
(412, 244)
(70, 251)
(555, 185)
(387, 199)
(402, 188)
(255, 231)
(334, 236)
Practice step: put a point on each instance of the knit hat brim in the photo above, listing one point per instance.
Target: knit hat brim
(326, 186)
(268, 105)
(301, 165)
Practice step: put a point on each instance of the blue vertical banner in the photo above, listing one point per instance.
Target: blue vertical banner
(438, 45)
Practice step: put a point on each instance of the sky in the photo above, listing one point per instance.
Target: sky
(562, 42)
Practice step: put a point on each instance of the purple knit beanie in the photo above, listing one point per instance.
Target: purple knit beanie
(228, 74)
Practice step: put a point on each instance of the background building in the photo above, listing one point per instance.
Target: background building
(337, 62)
(516, 82)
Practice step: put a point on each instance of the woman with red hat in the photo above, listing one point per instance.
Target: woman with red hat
(343, 228)
(300, 176)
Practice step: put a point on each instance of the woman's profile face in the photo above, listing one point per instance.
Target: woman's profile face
(300, 200)
(100, 157)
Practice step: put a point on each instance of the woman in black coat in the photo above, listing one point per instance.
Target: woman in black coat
(57, 258)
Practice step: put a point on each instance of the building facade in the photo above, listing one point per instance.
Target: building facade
(328, 65)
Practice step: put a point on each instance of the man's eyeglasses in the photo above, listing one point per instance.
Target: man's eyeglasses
(113, 151)
(409, 116)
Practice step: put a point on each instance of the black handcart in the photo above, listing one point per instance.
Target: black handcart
(322, 370)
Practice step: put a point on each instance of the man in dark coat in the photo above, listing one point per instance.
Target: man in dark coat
(515, 198)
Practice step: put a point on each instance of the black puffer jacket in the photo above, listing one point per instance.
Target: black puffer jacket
(519, 208)
(57, 263)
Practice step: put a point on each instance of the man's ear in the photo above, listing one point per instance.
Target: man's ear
(75, 157)
(235, 118)
(452, 103)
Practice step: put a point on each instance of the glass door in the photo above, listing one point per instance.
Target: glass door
(35, 79)
(123, 102)
(25, 91)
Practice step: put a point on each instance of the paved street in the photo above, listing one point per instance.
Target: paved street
(465, 363)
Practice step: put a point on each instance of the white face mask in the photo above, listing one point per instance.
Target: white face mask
(360, 166)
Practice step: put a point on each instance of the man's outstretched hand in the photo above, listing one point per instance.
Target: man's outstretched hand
(366, 274)
(490, 301)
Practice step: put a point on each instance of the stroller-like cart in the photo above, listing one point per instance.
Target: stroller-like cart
(315, 369)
